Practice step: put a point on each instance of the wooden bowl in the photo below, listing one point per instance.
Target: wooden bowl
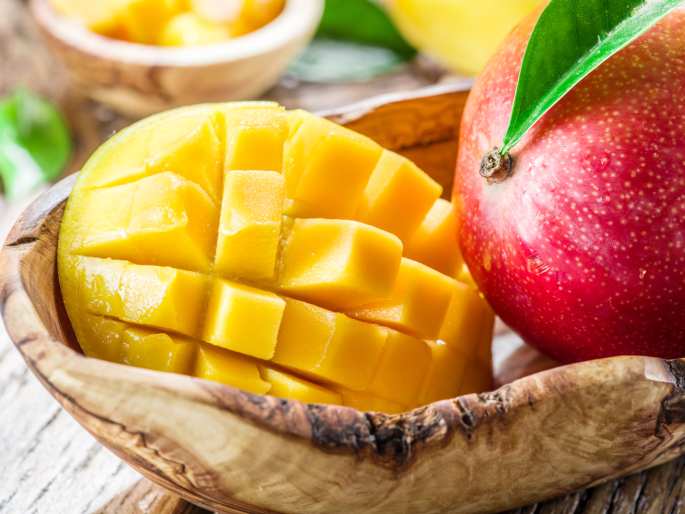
(139, 80)
(540, 436)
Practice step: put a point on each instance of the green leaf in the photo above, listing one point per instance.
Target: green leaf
(570, 39)
(35, 142)
(365, 22)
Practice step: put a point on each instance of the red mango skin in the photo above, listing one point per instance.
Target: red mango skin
(582, 250)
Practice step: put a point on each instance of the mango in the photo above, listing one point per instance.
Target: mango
(144, 20)
(150, 349)
(337, 263)
(326, 169)
(230, 368)
(285, 385)
(267, 250)
(435, 241)
(190, 29)
(250, 225)
(162, 219)
(418, 305)
(243, 319)
(397, 197)
(328, 346)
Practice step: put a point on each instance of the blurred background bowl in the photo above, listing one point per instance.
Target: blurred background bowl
(139, 80)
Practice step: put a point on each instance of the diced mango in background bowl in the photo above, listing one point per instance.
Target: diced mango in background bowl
(275, 252)
(171, 22)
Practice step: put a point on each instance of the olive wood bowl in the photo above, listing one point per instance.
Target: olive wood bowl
(139, 80)
(540, 436)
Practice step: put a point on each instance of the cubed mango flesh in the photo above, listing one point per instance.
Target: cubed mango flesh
(243, 319)
(401, 369)
(328, 346)
(418, 304)
(338, 263)
(177, 253)
(145, 20)
(191, 29)
(285, 385)
(101, 17)
(250, 225)
(163, 219)
(435, 242)
(155, 296)
(326, 169)
(445, 374)
(255, 137)
(397, 197)
(368, 402)
(152, 349)
(230, 368)
(465, 320)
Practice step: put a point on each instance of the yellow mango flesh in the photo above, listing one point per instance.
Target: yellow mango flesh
(230, 368)
(368, 402)
(171, 22)
(338, 263)
(328, 346)
(190, 29)
(255, 138)
(162, 219)
(326, 169)
(397, 197)
(435, 242)
(250, 225)
(176, 254)
(243, 319)
(144, 20)
(285, 385)
(400, 371)
(418, 305)
(150, 349)
(445, 374)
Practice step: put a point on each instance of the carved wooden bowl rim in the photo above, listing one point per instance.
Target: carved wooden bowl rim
(298, 18)
(597, 420)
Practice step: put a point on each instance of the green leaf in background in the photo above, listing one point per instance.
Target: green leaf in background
(356, 41)
(572, 38)
(365, 22)
(35, 142)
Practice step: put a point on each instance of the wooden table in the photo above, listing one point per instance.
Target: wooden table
(49, 464)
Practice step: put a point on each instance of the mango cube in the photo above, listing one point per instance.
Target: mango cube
(190, 29)
(255, 138)
(418, 304)
(185, 143)
(484, 349)
(465, 320)
(338, 264)
(445, 373)
(400, 371)
(285, 385)
(154, 296)
(367, 402)
(435, 242)
(326, 169)
(220, 365)
(101, 337)
(163, 220)
(397, 197)
(250, 224)
(243, 319)
(150, 349)
(465, 277)
(144, 20)
(328, 346)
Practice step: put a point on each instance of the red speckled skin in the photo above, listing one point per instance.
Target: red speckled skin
(582, 250)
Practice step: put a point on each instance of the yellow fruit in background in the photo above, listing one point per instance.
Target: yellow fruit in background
(460, 34)
(177, 253)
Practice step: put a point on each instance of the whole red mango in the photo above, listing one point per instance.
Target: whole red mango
(581, 251)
